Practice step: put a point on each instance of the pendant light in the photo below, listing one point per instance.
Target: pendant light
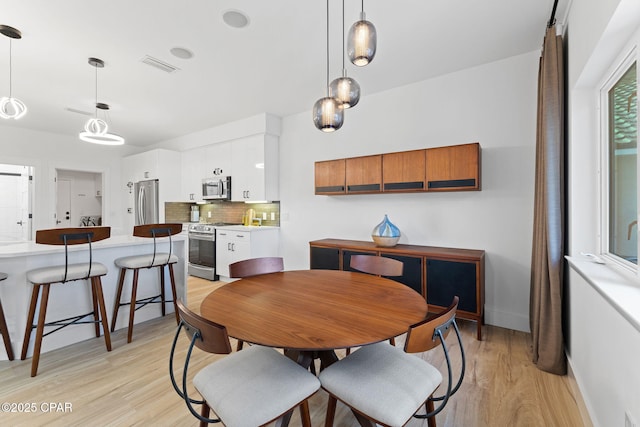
(346, 89)
(327, 114)
(361, 45)
(10, 107)
(96, 130)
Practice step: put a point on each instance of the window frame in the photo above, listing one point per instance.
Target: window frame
(619, 67)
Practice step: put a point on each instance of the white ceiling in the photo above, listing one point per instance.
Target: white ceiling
(276, 65)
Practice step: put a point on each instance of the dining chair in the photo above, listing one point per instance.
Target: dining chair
(156, 259)
(253, 267)
(249, 388)
(380, 266)
(388, 385)
(43, 278)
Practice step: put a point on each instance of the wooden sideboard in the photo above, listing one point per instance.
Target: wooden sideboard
(436, 273)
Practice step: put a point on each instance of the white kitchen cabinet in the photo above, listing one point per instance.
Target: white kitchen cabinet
(237, 243)
(160, 164)
(218, 160)
(255, 169)
(193, 171)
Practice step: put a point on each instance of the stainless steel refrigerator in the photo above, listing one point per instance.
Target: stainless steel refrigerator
(146, 202)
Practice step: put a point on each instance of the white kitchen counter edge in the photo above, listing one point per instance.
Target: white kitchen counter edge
(32, 248)
(617, 285)
(246, 227)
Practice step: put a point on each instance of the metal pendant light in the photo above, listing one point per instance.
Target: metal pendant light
(10, 107)
(96, 130)
(327, 114)
(345, 89)
(361, 44)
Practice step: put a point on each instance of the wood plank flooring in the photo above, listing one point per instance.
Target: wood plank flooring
(129, 386)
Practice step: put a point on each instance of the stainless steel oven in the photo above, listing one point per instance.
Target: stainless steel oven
(202, 251)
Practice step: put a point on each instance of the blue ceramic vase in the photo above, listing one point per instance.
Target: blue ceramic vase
(385, 234)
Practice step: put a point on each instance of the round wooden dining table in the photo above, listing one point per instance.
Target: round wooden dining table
(314, 312)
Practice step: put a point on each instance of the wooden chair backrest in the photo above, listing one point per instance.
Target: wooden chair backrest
(421, 336)
(157, 230)
(378, 265)
(74, 236)
(255, 266)
(213, 337)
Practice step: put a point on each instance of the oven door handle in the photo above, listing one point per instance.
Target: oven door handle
(204, 237)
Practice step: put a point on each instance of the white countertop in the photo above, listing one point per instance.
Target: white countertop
(246, 227)
(32, 248)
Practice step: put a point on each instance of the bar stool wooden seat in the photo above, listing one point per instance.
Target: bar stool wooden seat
(42, 278)
(136, 262)
(4, 330)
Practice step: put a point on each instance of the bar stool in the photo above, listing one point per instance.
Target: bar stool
(4, 330)
(136, 262)
(42, 278)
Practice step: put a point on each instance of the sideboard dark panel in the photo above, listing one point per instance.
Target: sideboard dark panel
(445, 279)
(325, 258)
(411, 271)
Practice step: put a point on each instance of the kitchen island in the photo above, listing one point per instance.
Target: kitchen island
(71, 298)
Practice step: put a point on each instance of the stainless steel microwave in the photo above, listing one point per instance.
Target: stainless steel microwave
(216, 188)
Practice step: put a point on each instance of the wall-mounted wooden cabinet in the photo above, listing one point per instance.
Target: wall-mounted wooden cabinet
(330, 177)
(451, 168)
(436, 273)
(403, 171)
(364, 174)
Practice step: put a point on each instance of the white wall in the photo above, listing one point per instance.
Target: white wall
(494, 104)
(48, 152)
(603, 347)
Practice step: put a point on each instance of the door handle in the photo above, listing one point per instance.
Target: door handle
(19, 222)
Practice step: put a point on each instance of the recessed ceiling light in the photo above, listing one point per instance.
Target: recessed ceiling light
(235, 18)
(181, 52)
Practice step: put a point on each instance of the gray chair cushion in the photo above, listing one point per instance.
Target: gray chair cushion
(254, 386)
(142, 261)
(56, 273)
(382, 381)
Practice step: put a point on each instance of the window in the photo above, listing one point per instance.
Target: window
(620, 117)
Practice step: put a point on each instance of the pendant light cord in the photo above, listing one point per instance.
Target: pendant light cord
(96, 103)
(10, 72)
(328, 94)
(344, 73)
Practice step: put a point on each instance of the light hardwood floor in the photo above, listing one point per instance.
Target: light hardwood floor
(129, 386)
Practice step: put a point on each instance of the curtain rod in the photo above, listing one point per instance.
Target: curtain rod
(552, 19)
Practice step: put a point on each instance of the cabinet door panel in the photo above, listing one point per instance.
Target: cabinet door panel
(364, 174)
(403, 171)
(325, 258)
(445, 279)
(411, 271)
(330, 177)
(453, 168)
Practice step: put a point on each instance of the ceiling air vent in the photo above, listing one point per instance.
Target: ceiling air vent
(161, 65)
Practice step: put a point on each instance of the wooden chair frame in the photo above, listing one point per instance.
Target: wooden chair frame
(212, 338)
(148, 231)
(66, 237)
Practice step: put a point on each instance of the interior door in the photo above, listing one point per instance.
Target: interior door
(63, 203)
(14, 203)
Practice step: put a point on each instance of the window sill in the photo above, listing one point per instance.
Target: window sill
(616, 284)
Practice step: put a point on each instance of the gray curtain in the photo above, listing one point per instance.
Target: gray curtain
(545, 309)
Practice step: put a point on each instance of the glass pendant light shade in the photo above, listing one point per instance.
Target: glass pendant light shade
(328, 115)
(361, 43)
(346, 90)
(12, 108)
